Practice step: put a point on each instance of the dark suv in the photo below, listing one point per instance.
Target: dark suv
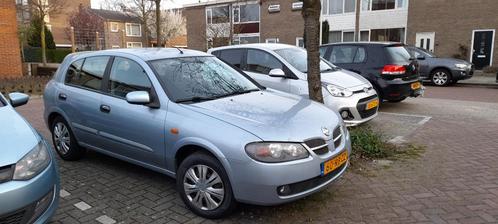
(388, 66)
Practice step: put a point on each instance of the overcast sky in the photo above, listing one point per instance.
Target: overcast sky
(165, 3)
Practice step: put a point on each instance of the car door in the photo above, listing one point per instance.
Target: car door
(134, 131)
(80, 96)
(258, 65)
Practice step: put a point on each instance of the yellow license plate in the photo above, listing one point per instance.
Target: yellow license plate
(332, 164)
(416, 85)
(372, 104)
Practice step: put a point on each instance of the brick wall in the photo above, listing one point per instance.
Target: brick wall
(10, 56)
(285, 25)
(196, 28)
(453, 22)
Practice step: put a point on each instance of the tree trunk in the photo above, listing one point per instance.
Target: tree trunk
(43, 42)
(311, 15)
(158, 22)
(357, 21)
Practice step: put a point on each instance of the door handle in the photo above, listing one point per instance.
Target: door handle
(62, 96)
(105, 108)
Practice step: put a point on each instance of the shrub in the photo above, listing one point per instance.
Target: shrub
(33, 54)
(33, 85)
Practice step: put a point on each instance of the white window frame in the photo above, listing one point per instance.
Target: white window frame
(115, 46)
(130, 44)
(49, 27)
(237, 7)
(299, 39)
(271, 40)
(395, 6)
(347, 31)
(492, 44)
(238, 36)
(359, 37)
(131, 24)
(326, 7)
(117, 27)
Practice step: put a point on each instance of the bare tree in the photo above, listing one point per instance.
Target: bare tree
(142, 9)
(42, 8)
(173, 24)
(86, 24)
(311, 14)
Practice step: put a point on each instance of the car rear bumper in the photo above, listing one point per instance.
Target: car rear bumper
(258, 183)
(31, 201)
(399, 89)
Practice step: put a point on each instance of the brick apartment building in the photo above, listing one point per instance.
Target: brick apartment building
(223, 22)
(462, 28)
(10, 54)
(121, 30)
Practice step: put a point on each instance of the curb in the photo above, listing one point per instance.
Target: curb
(478, 84)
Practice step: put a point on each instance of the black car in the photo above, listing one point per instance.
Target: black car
(441, 71)
(388, 66)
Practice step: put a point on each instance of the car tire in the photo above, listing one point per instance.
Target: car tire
(398, 100)
(220, 192)
(65, 143)
(441, 77)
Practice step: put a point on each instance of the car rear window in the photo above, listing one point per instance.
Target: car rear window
(398, 55)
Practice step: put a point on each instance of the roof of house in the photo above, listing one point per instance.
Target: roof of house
(115, 15)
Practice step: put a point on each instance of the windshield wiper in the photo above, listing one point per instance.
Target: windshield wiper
(238, 92)
(195, 99)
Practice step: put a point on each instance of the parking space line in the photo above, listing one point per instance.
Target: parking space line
(422, 122)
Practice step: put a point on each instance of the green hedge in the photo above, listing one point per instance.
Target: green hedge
(32, 54)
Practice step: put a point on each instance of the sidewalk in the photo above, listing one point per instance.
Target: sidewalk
(481, 78)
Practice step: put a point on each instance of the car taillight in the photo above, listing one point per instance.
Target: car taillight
(394, 70)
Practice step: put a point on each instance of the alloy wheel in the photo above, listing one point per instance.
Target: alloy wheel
(62, 138)
(440, 78)
(203, 187)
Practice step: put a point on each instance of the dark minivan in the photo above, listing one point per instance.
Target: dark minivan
(388, 66)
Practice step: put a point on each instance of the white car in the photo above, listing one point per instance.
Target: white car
(283, 67)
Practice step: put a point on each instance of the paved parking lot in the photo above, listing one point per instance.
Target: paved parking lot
(454, 181)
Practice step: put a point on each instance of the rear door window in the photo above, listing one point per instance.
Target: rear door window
(232, 56)
(91, 73)
(347, 54)
(398, 55)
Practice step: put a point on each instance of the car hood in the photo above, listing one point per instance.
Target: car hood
(447, 61)
(343, 78)
(17, 137)
(272, 115)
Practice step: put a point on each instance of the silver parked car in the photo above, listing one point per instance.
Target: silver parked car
(188, 115)
(283, 67)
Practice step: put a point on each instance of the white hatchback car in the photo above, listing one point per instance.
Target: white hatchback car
(283, 67)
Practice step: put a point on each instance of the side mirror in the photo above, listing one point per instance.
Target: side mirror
(138, 97)
(421, 57)
(18, 99)
(278, 73)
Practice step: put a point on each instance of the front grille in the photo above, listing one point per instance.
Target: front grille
(6, 173)
(362, 90)
(299, 187)
(362, 105)
(13, 218)
(337, 137)
(320, 146)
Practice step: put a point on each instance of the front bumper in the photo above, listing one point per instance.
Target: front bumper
(255, 182)
(354, 105)
(31, 201)
(462, 74)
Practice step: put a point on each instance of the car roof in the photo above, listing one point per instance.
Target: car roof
(365, 43)
(148, 54)
(263, 46)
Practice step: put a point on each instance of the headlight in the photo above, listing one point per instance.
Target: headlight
(338, 91)
(461, 66)
(32, 163)
(276, 152)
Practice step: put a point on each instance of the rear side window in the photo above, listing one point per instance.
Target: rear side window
(74, 71)
(91, 73)
(398, 55)
(262, 62)
(127, 76)
(234, 57)
(347, 55)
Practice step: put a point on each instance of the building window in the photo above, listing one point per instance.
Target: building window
(114, 27)
(49, 27)
(336, 7)
(133, 44)
(271, 40)
(349, 6)
(365, 5)
(249, 40)
(300, 42)
(364, 35)
(401, 4)
(335, 36)
(348, 36)
(218, 14)
(383, 4)
(133, 30)
(116, 46)
(246, 13)
(395, 35)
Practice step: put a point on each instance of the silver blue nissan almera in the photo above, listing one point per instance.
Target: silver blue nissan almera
(184, 113)
(29, 181)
